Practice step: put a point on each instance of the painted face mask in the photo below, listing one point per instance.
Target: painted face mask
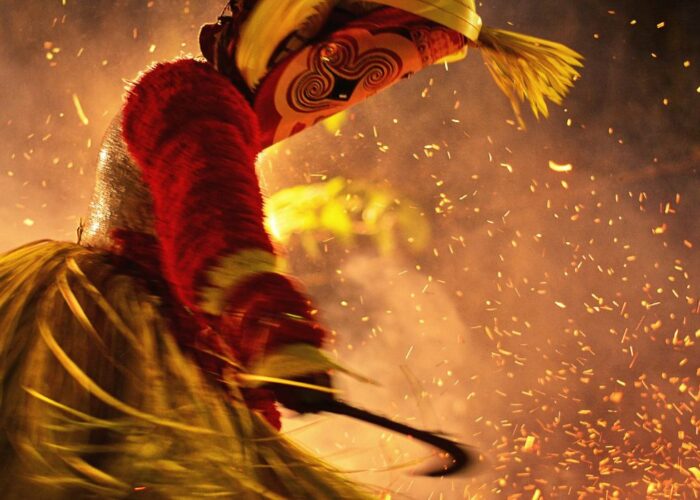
(346, 67)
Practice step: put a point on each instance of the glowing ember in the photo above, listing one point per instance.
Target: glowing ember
(560, 167)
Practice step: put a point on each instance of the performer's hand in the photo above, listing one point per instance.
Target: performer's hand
(302, 399)
(263, 314)
(266, 312)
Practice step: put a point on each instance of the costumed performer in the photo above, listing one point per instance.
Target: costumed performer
(127, 361)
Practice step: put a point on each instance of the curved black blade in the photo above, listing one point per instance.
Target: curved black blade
(460, 457)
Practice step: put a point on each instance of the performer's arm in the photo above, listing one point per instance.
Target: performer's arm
(195, 139)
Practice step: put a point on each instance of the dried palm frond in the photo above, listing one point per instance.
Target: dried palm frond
(348, 211)
(97, 398)
(529, 68)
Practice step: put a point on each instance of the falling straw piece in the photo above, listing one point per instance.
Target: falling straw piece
(79, 110)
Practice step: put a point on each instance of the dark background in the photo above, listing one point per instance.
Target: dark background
(553, 320)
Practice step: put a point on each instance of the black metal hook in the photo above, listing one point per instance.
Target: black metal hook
(461, 457)
(305, 400)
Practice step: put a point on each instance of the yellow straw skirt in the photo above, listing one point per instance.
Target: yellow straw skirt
(97, 400)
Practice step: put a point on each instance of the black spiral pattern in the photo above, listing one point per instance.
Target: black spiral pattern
(373, 70)
(309, 92)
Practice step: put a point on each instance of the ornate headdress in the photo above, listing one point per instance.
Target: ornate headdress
(524, 67)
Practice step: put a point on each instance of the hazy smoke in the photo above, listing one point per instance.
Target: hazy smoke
(553, 322)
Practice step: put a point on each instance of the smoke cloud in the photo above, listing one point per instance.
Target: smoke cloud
(553, 321)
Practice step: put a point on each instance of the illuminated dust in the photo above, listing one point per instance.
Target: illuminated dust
(552, 321)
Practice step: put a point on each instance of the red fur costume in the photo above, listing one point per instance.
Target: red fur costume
(195, 137)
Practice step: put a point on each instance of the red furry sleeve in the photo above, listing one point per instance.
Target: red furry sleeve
(196, 138)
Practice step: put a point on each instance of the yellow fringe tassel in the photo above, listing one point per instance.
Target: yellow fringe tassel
(526, 67)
